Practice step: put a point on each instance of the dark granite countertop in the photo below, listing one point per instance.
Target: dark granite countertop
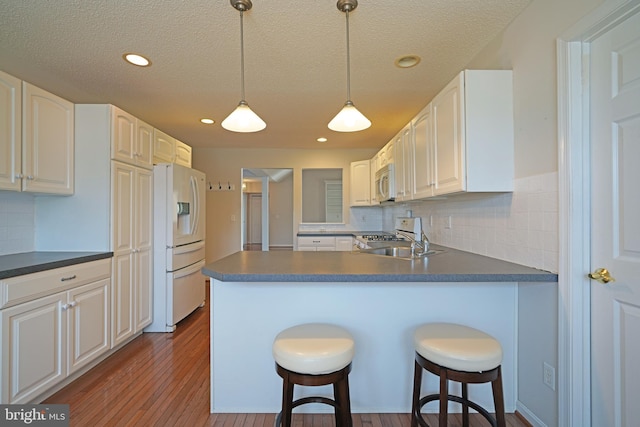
(33, 262)
(450, 266)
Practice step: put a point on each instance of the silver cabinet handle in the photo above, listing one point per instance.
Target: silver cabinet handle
(19, 176)
(30, 177)
(73, 304)
(65, 279)
(65, 307)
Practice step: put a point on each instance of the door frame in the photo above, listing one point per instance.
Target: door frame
(574, 172)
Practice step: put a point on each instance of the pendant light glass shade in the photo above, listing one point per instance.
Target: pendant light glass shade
(243, 119)
(349, 119)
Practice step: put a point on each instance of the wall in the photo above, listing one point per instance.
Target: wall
(17, 222)
(528, 47)
(224, 207)
(520, 227)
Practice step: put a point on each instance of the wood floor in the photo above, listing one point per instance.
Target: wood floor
(163, 380)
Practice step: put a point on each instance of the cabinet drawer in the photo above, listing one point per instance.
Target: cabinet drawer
(317, 241)
(20, 289)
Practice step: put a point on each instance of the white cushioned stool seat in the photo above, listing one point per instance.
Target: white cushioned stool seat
(313, 348)
(458, 347)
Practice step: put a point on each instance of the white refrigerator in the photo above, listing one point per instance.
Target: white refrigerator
(178, 249)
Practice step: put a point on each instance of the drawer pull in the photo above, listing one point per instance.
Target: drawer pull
(65, 307)
(73, 304)
(65, 279)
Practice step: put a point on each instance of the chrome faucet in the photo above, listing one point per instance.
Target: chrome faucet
(422, 244)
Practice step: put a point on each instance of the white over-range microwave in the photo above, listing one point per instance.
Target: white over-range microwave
(385, 184)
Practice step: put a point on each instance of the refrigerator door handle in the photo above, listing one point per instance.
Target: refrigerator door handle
(196, 205)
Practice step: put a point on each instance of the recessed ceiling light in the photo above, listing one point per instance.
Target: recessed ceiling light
(208, 121)
(407, 61)
(321, 139)
(136, 59)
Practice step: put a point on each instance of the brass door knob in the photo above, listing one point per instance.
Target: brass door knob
(601, 275)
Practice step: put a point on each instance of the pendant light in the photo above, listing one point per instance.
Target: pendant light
(349, 119)
(243, 119)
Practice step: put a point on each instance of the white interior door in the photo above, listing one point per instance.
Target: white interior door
(615, 225)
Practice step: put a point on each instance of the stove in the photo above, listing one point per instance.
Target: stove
(366, 241)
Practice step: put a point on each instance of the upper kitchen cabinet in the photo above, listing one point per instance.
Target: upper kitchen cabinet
(10, 132)
(36, 139)
(473, 133)
(360, 180)
(423, 151)
(132, 139)
(167, 149)
(48, 142)
(183, 154)
(403, 161)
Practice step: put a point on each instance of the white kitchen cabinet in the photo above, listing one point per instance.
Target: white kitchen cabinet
(344, 244)
(163, 147)
(10, 132)
(132, 189)
(403, 161)
(316, 244)
(473, 133)
(373, 168)
(167, 149)
(36, 139)
(423, 151)
(52, 323)
(360, 183)
(182, 154)
(132, 139)
(112, 211)
(48, 142)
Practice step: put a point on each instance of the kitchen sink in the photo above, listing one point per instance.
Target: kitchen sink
(401, 252)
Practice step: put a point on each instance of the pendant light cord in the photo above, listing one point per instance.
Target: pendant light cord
(348, 62)
(242, 58)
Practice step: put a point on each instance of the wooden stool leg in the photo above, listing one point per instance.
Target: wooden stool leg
(444, 402)
(417, 384)
(343, 409)
(287, 401)
(465, 406)
(498, 398)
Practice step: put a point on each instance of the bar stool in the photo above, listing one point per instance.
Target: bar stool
(458, 353)
(314, 354)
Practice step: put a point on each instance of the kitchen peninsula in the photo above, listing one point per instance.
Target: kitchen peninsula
(379, 299)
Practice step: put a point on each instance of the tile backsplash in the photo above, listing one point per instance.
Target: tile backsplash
(520, 227)
(17, 222)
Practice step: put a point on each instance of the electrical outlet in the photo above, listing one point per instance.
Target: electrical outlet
(448, 224)
(549, 376)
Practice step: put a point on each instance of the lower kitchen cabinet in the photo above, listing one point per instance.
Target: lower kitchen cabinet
(325, 243)
(53, 323)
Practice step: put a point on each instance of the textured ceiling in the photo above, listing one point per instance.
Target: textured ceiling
(295, 61)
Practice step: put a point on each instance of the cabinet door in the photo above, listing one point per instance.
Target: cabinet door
(183, 154)
(123, 136)
(143, 244)
(423, 154)
(88, 323)
(163, 147)
(48, 144)
(144, 146)
(360, 187)
(123, 241)
(33, 348)
(448, 119)
(10, 132)
(403, 155)
(344, 244)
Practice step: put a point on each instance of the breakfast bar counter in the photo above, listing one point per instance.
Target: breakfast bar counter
(379, 299)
